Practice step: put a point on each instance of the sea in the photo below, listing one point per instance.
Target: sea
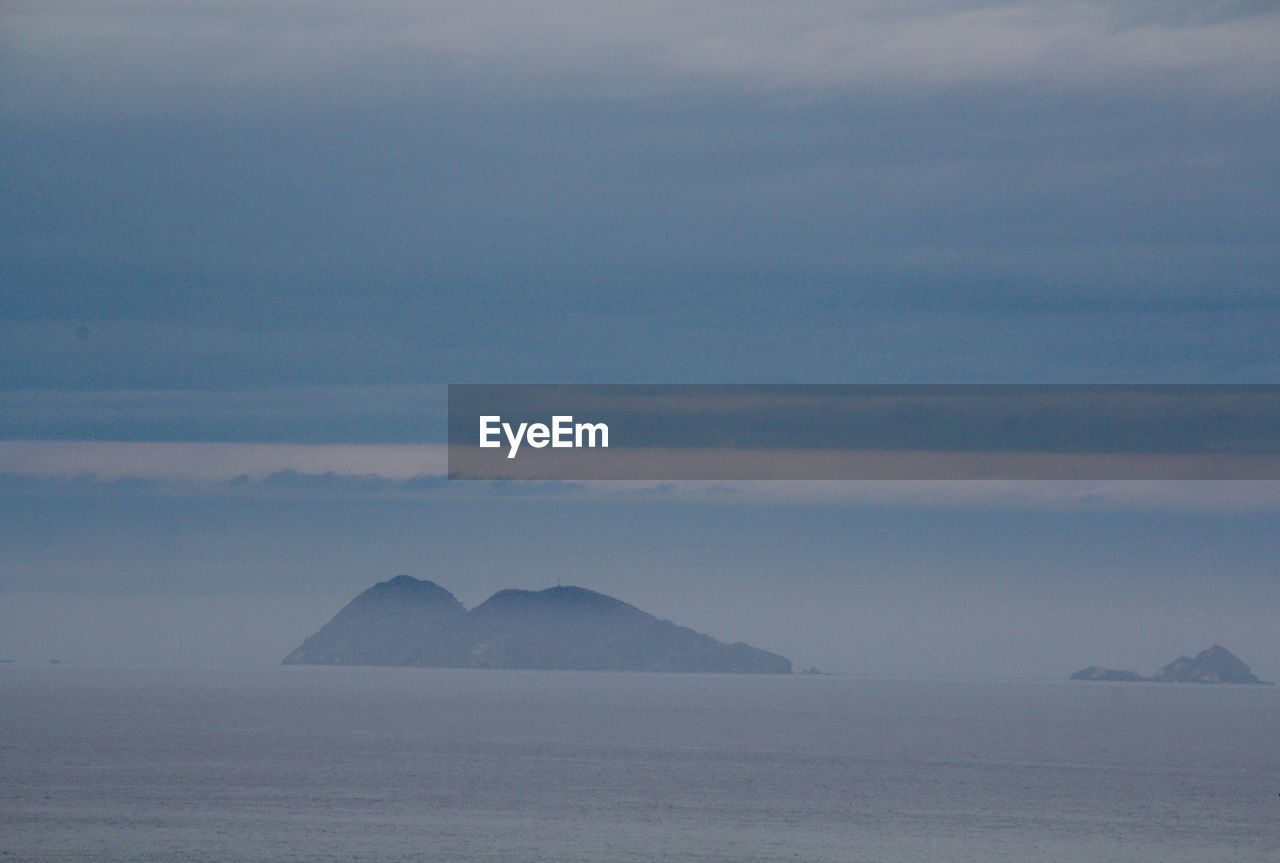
(408, 764)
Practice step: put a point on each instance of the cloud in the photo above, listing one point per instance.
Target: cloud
(69, 467)
(371, 413)
(274, 195)
(157, 54)
(216, 462)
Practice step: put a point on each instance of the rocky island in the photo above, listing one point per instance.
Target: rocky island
(1214, 665)
(407, 621)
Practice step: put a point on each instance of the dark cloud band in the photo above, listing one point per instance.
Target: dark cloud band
(710, 432)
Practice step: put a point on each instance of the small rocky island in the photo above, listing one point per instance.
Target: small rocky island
(407, 621)
(1215, 665)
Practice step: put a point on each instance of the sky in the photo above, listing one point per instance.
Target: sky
(244, 247)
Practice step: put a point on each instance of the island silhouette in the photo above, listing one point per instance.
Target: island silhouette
(1213, 665)
(415, 622)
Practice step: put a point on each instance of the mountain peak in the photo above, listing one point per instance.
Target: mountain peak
(408, 582)
(575, 594)
(388, 624)
(413, 589)
(1212, 665)
(560, 596)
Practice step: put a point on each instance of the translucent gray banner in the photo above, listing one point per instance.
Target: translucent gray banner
(806, 432)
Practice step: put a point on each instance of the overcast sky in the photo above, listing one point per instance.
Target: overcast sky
(281, 229)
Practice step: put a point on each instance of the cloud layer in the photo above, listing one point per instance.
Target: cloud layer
(403, 470)
(229, 196)
(390, 50)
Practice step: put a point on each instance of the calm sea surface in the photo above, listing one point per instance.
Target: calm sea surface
(411, 764)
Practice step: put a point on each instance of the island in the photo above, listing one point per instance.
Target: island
(412, 622)
(1214, 665)
(1095, 672)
